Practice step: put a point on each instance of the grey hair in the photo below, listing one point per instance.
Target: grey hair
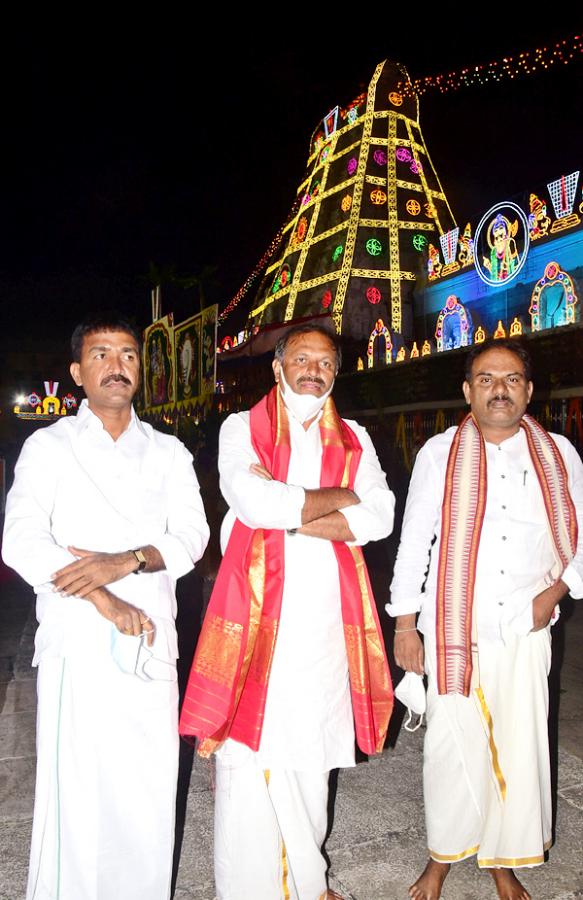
(308, 329)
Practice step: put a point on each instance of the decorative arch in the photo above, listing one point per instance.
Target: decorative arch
(379, 333)
(558, 306)
(453, 307)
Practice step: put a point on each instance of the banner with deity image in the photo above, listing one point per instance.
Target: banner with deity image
(159, 368)
(187, 350)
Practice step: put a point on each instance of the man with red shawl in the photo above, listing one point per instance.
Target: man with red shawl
(290, 665)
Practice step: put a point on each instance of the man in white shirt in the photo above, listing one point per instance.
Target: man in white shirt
(305, 490)
(494, 507)
(104, 515)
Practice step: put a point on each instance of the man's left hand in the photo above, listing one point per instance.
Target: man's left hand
(92, 570)
(545, 602)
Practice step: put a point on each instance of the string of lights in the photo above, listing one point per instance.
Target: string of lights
(527, 63)
(259, 267)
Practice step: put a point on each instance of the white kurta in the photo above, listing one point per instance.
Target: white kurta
(471, 746)
(106, 741)
(281, 791)
(305, 728)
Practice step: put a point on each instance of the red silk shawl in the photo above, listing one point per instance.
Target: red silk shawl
(228, 682)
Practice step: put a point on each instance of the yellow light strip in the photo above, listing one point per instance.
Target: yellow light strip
(394, 256)
(296, 280)
(350, 243)
(384, 273)
(330, 232)
(417, 226)
(336, 135)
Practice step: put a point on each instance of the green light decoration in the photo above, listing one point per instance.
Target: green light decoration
(419, 242)
(339, 250)
(374, 247)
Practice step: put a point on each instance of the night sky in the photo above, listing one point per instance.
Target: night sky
(185, 149)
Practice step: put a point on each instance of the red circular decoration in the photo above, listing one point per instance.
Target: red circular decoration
(551, 271)
(327, 299)
(301, 229)
(373, 295)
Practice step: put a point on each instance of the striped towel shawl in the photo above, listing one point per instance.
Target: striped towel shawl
(464, 504)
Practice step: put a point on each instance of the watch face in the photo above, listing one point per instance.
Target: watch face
(141, 560)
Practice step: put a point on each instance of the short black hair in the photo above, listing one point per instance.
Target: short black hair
(101, 321)
(308, 329)
(512, 344)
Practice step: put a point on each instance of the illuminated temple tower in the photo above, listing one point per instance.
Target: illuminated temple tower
(368, 207)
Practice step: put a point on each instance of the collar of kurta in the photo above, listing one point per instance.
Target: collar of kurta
(464, 504)
(228, 682)
(86, 418)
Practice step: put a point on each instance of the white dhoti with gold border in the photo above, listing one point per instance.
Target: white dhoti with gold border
(270, 825)
(106, 782)
(486, 770)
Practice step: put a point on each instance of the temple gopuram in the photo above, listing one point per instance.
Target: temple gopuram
(371, 247)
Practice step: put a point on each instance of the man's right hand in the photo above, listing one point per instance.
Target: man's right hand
(408, 647)
(127, 618)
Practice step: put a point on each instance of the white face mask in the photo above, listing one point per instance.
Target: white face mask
(303, 407)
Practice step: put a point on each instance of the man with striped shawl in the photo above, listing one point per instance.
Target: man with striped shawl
(493, 507)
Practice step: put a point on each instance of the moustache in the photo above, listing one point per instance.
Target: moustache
(109, 378)
(500, 397)
(315, 380)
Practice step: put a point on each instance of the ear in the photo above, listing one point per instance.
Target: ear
(529, 388)
(466, 390)
(75, 370)
(275, 365)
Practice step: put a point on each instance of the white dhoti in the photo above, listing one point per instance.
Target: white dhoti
(106, 783)
(269, 829)
(486, 771)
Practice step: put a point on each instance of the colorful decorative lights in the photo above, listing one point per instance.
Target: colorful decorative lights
(403, 155)
(448, 243)
(479, 335)
(326, 299)
(374, 247)
(500, 330)
(338, 251)
(447, 335)
(501, 244)
(526, 63)
(379, 333)
(553, 299)
(380, 157)
(352, 165)
(420, 242)
(378, 197)
(373, 295)
(346, 203)
(413, 207)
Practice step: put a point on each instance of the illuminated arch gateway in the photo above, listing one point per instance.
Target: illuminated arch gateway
(379, 335)
(453, 338)
(553, 299)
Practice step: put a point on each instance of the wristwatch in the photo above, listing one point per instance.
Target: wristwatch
(141, 560)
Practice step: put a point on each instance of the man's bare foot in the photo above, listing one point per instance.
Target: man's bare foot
(428, 886)
(508, 886)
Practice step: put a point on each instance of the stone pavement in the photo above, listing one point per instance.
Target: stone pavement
(376, 844)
